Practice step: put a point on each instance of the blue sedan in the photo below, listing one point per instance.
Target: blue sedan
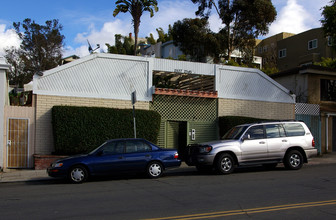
(116, 156)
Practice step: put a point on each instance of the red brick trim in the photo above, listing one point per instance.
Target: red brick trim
(182, 92)
(42, 162)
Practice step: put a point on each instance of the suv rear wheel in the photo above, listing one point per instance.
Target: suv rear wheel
(224, 164)
(293, 160)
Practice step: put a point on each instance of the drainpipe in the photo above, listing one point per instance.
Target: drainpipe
(326, 128)
(327, 136)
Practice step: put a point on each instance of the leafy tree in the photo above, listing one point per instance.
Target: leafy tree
(164, 37)
(329, 21)
(182, 57)
(16, 75)
(122, 45)
(327, 62)
(40, 49)
(193, 37)
(136, 9)
(270, 70)
(244, 20)
(151, 39)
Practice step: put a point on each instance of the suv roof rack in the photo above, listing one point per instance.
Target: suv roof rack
(270, 121)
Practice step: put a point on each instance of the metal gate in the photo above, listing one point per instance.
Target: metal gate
(172, 137)
(17, 143)
(181, 115)
(310, 114)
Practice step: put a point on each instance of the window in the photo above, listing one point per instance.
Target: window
(142, 146)
(234, 133)
(312, 44)
(328, 90)
(137, 146)
(265, 49)
(255, 132)
(282, 53)
(113, 148)
(330, 41)
(294, 129)
(275, 131)
(131, 147)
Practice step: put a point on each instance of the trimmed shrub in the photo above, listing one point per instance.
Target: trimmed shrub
(82, 129)
(228, 122)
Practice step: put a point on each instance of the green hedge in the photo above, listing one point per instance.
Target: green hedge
(227, 122)
(81, 129)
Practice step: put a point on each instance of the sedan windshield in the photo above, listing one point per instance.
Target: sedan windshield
(235, 133)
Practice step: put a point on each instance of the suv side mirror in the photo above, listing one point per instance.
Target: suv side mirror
(246, 137)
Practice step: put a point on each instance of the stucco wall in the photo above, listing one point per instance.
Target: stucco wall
(20, 112)
(256, 109)
(44, 137)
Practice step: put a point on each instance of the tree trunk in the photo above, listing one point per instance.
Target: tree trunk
(136, 23)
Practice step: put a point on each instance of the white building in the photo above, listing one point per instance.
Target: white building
(202, 93)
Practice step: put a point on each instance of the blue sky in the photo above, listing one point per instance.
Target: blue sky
(93, 20)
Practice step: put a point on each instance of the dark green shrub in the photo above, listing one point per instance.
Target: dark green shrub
(82, 129)
(227, 122)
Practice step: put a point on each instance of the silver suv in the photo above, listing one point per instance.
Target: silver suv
(267, 144)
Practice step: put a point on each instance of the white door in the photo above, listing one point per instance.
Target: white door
(254, 146)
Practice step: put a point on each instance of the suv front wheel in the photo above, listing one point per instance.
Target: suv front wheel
(224, 164)
(293, 160)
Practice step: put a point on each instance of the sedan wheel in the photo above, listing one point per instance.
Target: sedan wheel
(78, 174)
(225, 164)
(293, 160)
(154, 169)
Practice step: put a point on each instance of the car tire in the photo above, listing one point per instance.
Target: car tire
(154, 169)
(78, 174)
(225, 164)
(293, 160)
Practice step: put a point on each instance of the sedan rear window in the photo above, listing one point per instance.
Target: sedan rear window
(294, 129)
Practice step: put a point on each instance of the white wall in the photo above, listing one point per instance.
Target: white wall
(3, 86)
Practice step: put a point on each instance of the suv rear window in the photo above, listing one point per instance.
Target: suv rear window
(275, 131)
(294, 129)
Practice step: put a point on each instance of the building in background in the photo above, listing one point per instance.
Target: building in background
(286, 51)
(315, 86)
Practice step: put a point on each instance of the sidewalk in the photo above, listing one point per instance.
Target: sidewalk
(41, 175)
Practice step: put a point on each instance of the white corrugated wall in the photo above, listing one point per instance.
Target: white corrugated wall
(117, 76)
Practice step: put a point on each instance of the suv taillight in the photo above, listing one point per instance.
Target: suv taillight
(313, 142)
(176, 156)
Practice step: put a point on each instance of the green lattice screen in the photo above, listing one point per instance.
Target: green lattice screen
(181, 108)
(200, 113)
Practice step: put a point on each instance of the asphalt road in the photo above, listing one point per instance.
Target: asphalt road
(249, 193)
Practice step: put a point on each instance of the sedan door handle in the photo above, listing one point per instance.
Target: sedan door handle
(262, 142)
(148, 155)
(121, 157)
(284, 140)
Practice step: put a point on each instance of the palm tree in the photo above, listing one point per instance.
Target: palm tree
(136, 8)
